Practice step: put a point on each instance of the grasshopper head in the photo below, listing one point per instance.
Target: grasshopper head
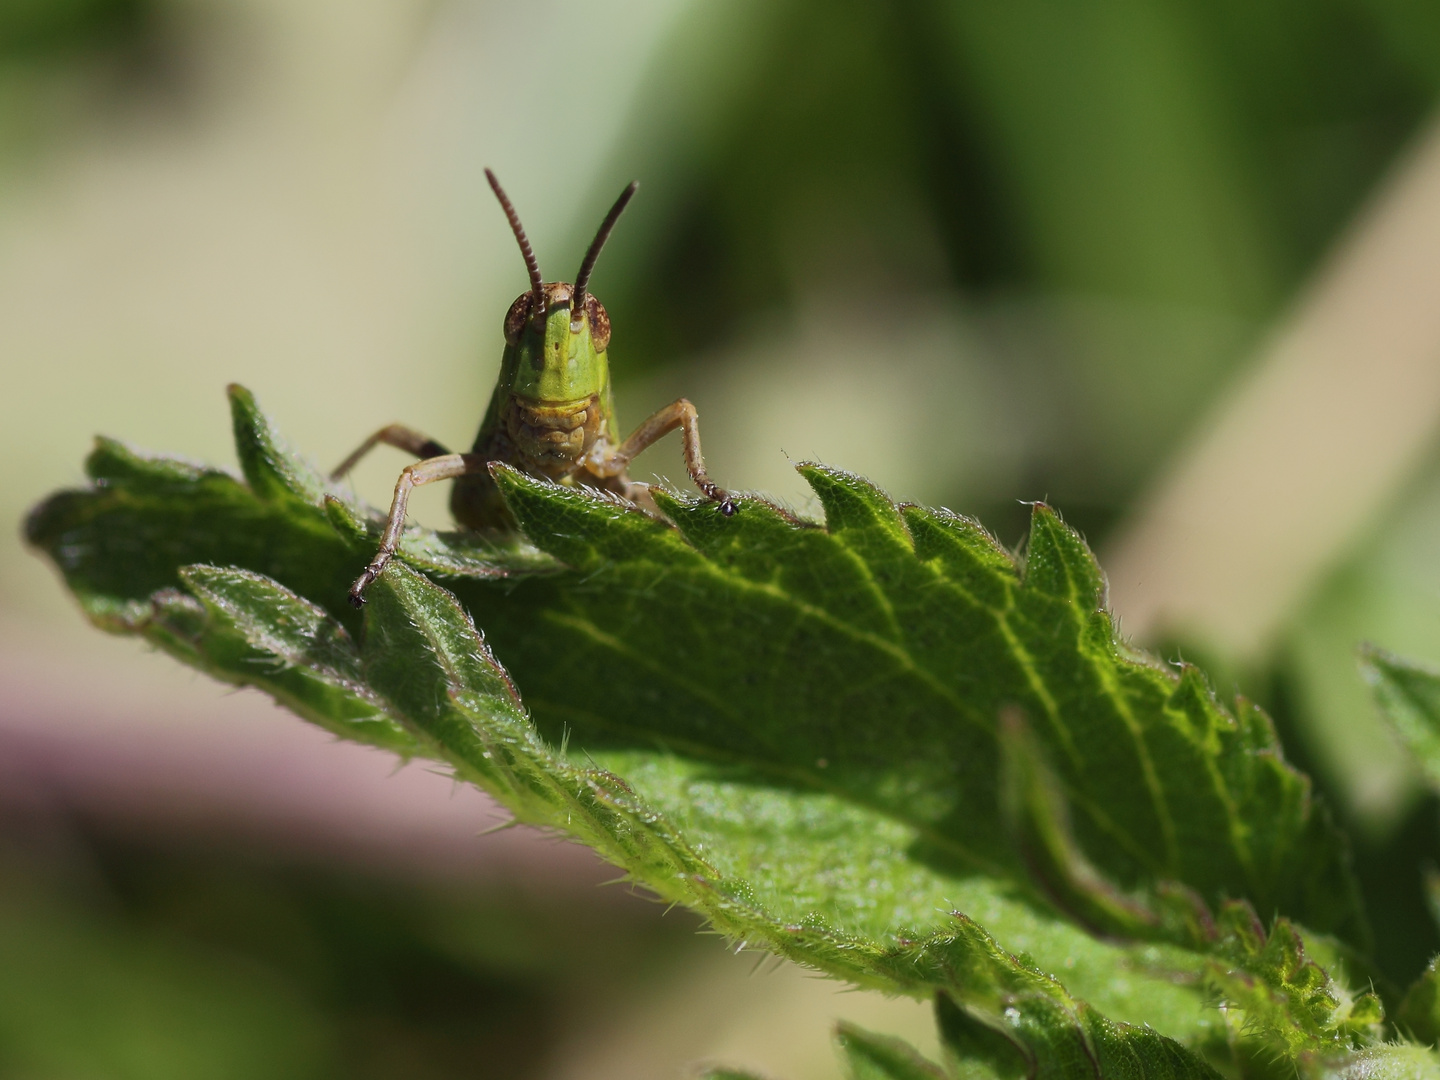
(560, 356)
(558, 332)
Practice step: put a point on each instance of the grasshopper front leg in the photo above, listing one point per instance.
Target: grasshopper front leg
(446, 467)
(679, 414)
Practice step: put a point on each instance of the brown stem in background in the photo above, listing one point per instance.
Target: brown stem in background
(1333, 417)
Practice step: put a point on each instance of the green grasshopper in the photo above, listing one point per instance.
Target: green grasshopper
(551, 415)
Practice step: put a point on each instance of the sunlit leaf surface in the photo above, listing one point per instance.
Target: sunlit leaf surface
(883, 746)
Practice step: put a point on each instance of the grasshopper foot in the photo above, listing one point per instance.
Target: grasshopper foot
(363, 582)
(716, 494)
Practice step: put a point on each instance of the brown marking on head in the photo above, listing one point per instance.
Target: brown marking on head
(599, 322)
(517, 317)
(557, 294)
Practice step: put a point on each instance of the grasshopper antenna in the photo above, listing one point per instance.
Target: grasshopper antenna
(587, 266)
(532, 264)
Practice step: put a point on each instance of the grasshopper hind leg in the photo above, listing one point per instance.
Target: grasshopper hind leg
(398, 436)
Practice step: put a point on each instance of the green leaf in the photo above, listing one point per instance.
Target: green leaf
(1409, 696)
(884, 747)
(272, 468)
(1419, 1014)
(879, 1057)
(146, 517)
(254, 631)
(277, 474)
(1393, 1061)
(865, 623)
(1061, 1040)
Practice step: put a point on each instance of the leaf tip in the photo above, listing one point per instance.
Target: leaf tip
(345, 521)
(851, 501)
(243, 403)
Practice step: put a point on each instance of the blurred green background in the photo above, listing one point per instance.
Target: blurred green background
(982, 253)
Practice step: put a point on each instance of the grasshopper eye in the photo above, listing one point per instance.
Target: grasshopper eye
(599, 324)
(518, 316)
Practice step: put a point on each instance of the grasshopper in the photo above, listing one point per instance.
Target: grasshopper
(551, 414)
